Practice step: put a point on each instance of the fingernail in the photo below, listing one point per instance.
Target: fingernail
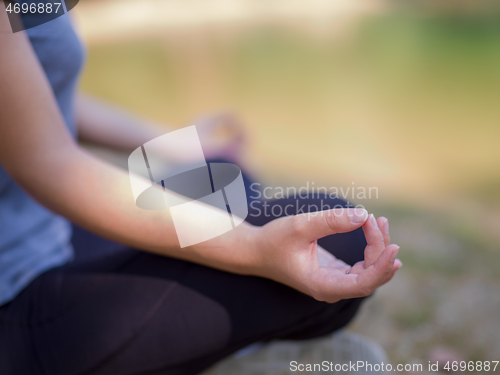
(394, 254)
(358, 215)
(386, 227)
(372, 218)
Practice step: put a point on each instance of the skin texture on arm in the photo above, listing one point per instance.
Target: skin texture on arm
(38, 152)
(106, 125)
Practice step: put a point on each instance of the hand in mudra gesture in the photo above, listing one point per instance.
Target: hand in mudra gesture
(293, 257)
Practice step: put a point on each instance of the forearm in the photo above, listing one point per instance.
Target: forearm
(106, 125)
(98, 197)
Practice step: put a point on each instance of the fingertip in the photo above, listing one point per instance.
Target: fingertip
(370, 222)
(383, 224)
(388, 256)
(358, 216)
(381, 220)
(394, 252)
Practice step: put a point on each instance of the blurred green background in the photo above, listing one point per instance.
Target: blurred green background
(404, 97)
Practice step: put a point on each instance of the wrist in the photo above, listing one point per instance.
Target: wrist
(236, 251)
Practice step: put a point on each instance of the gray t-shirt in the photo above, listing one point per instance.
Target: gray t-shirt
(32, 238)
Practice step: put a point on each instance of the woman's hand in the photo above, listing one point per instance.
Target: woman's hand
(289, 254)
(222, 136)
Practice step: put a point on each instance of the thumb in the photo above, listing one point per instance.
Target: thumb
(314, 225)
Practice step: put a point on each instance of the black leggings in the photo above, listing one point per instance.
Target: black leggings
(116, 310)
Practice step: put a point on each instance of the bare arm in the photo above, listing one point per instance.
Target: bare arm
(38, 152)
(221, 133)
(106, 125)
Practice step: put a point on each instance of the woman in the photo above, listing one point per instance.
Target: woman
(114, 293)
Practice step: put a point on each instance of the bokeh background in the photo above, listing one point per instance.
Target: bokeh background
(399, 95)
